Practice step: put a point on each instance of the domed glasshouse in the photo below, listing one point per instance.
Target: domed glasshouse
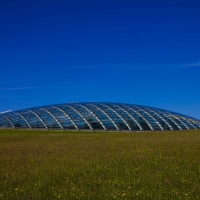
(97, 116)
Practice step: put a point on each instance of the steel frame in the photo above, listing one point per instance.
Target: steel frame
(108, 115)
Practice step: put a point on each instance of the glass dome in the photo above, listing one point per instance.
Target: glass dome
(97, 116)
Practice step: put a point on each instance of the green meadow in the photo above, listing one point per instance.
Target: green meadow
(49, 165)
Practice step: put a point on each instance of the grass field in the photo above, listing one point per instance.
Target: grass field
(49, 165)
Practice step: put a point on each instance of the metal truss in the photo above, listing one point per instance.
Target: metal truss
(66, 115)
(133, 118)
(105, 115)
(195, 122)
(24, 119)
(38, 117)
(181, 122)
(75, 110)
(169, 117)
(10, 121)
(50, 113)
(135, 111)
(159, 116)
(188, 121)
(151, 116)
(114, 111)
(93, 114)
(98, 108)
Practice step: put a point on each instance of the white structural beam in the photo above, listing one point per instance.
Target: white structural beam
(120, 107)
(66, 115)
(196, 123)
(159, 116)
(168, 116)
(151, 116)
(135, 111)
(178, 120)
(185, 120)
(24, 120)
(114, 111)
(75, 110)
(50, 113)
(93, 114)
(9, 121)
(98, 108)
(39, 118)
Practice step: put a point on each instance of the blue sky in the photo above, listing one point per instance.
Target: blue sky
(140, 52)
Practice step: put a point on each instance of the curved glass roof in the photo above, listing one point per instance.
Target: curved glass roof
(97, 116)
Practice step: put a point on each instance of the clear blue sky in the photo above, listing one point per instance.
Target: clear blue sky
(140, 52)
